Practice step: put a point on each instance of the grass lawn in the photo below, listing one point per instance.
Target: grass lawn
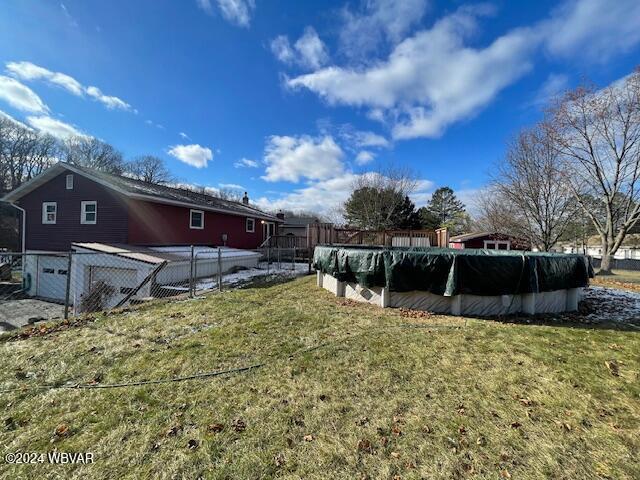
(344, 391)
(628, 279)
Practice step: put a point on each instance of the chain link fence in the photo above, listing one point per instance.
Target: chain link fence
(48, 285)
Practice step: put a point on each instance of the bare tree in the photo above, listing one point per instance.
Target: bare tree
(597, 134)
(150, 169)
(531, 191)
(24, 153)
(93, 153)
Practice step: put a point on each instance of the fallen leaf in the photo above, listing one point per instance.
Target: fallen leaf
(365, 446)
(481, 441)
(613, 367)
(215, 428)
(239, 425)
(308, 438)
(396, 430)
(173, 431)
(62, 430)
(395, 454)
(505, 473)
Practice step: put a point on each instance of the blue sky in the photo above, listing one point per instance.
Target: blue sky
(293, 100)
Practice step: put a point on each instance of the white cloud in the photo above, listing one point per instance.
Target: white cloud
(109, 101)
(437, 77)
(72, 21)
(309, 51)
(245, 162)
(293, 158)
(378, 21)
(370, 139)
(194, 154)
(594, 29)
(326, 196)
(237, 12)
(20, 96)
(363, 157)
(554, 85)
(30, 71)
(282, 50)
(321, 197)
(430, 80)
(54, 127)
(231, 186)
(184, 135)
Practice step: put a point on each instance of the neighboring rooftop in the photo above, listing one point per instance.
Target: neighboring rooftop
(299, 221)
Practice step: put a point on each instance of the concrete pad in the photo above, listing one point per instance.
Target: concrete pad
(18, 313)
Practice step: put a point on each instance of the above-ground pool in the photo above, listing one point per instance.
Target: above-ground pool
(459, 282)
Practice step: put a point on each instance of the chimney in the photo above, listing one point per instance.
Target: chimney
(245, 199)
(280, 215)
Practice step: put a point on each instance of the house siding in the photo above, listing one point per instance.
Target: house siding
(156, 224)
(516, 243)
(112, 217)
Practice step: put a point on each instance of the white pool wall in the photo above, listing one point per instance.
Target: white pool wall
(463, 304)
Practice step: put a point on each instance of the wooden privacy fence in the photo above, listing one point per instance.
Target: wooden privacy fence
(328, 233)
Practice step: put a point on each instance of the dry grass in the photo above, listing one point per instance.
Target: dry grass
(626, 279)
(346, 391)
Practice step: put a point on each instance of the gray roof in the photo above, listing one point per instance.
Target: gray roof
(470, 236)
(140, 188)
(298, 221)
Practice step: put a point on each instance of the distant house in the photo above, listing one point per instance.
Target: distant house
(294, 225)
(489, 241)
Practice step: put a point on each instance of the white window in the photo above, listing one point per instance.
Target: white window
(89, 213)
(497, 245)
(196, 219)
(251, 225)
(69, 182)
(49, 212)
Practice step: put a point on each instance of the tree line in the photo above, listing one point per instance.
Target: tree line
(575, 173)
(381, 201)
(25, 153)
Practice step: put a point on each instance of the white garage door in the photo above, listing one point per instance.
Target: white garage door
(52, 277)
(123, 280)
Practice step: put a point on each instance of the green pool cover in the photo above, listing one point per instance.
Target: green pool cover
(446, 271)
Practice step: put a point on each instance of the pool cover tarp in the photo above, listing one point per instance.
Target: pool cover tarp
(445, 271)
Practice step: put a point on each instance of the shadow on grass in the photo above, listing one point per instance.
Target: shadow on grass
(568, 320)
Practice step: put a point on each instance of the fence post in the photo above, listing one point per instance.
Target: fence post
(293, 259)
(68, 288)
(219, 269)
(268, 259)
(191, 272)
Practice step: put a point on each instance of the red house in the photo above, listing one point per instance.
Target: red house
(489, 240)
(69, 204)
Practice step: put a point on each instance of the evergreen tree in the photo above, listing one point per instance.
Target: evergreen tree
(445, 206)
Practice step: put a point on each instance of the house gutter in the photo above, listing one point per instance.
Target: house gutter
(24, 222)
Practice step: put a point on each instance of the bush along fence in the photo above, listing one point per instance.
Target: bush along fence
(62, 284)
